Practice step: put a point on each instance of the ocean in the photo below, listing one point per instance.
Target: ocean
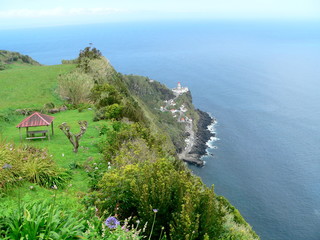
(261, 81)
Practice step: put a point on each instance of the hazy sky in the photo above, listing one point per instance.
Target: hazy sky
(22, 13)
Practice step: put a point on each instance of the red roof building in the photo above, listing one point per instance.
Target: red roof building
(35, 120)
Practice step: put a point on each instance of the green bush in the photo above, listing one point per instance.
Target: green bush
(45, 220)
(29, 164)
(75, 87)
(97, 229)
(121, 132)
(114, 111)
(105, 95)
(85, 56)
(41, 220)
(181, 198)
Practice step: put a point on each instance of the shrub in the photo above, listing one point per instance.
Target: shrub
(98, 229)
(101, 70)
(85, 56)
(114, 111)
(136, 189)
(73, 61)
(7, 116)
(29, 164)
(49, 105)
(75, 87)
(105, 95)
(121, 132)
(41, 220)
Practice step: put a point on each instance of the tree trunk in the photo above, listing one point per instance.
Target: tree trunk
(74, 138)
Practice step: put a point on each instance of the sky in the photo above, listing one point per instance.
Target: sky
(36, 13)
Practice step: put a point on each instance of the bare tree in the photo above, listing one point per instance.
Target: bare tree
(74, 138)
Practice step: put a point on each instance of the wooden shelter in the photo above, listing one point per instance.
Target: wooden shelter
(36, 120)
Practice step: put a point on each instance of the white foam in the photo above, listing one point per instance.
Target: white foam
(212, 139)
(208, 153)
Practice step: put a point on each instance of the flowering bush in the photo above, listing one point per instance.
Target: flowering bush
(111, 229)
(45, 220)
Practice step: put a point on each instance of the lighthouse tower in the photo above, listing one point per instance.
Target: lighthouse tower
(179, 89)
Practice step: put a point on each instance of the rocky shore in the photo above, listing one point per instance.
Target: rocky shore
(202, 136)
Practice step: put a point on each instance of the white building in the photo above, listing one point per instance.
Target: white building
(179, 89)
(172, 103)
(183, 108)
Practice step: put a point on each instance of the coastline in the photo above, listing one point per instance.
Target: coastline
(197, 143)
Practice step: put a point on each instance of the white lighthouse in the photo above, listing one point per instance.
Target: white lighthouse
(179, 89)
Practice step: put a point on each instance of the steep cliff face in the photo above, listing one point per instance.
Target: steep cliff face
(175, 115)
(203, 135)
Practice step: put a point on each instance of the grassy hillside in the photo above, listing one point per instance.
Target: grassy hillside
(30, 86)
(10, 60)
(60, 149)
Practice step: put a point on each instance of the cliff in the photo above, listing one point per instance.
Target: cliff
(175, 115)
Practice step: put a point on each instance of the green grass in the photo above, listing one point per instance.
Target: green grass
(61, 149)
(68, 198)
(30, 86)
(59, 146)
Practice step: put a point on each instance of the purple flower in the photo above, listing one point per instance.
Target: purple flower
(155, 210)
(112, 222)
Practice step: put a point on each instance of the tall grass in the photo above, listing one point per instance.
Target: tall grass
(28, 164)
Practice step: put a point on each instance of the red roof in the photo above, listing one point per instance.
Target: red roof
(36, 119)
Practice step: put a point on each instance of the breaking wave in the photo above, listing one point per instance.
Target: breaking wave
(214, 138)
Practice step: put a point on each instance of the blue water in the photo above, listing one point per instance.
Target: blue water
(260, 80)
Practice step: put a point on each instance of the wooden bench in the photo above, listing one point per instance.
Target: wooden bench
(28, 138)
(31, 134)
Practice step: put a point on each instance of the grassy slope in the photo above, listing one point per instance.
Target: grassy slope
(34, 86)
(10, 60)
(30, 86)
(61, 150)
